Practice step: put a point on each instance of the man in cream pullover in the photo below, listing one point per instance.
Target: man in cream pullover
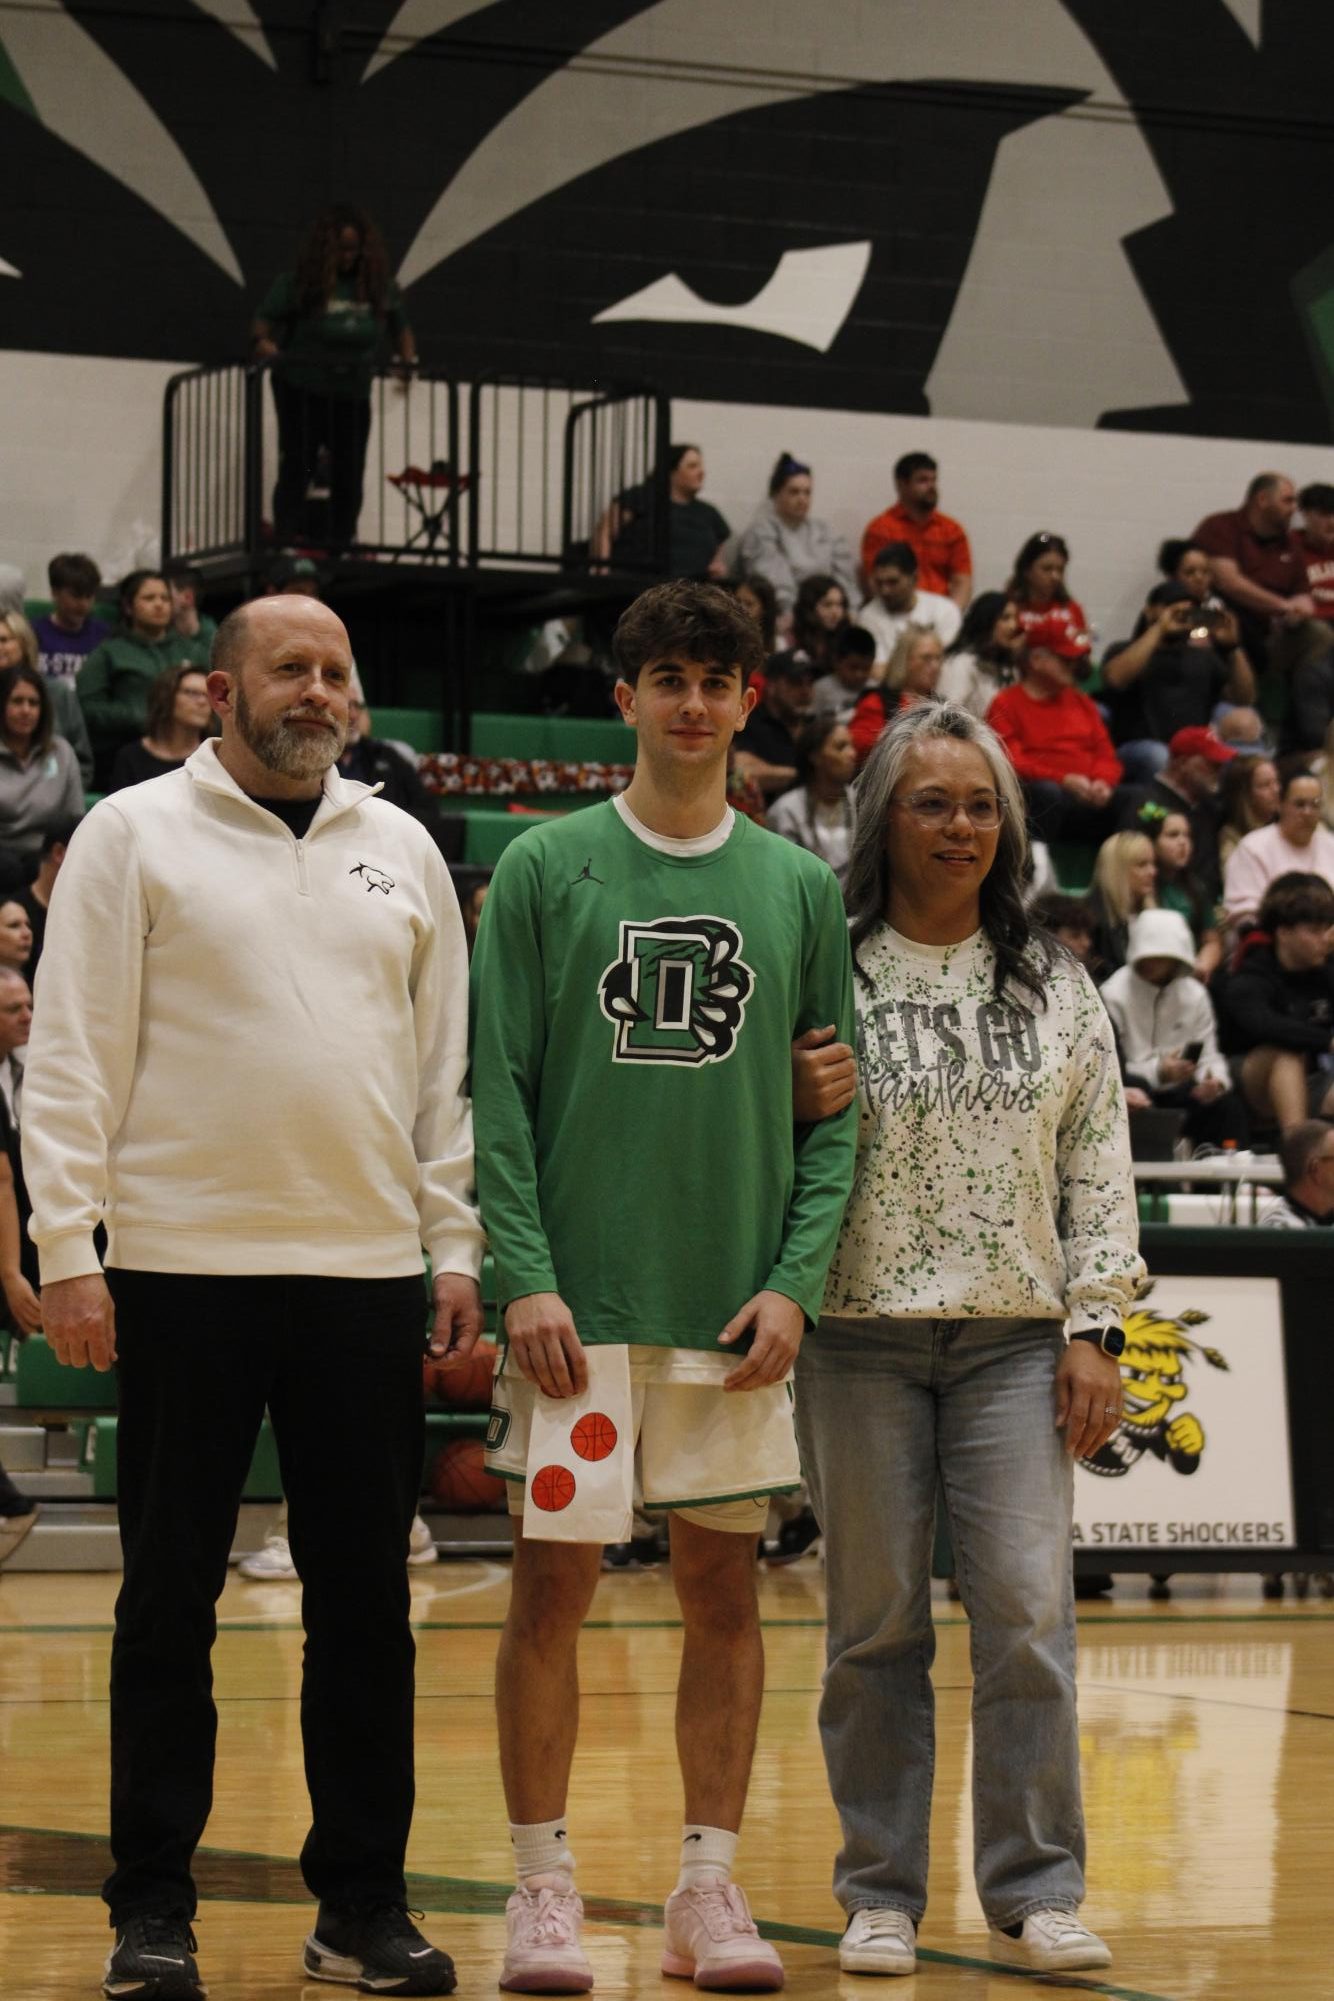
(249, 1060)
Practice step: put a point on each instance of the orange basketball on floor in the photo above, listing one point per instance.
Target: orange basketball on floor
(553, 1488)
(464, 1385)
(594, 1437)
(459, 1480)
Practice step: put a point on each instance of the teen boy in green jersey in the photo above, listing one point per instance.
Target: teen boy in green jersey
(641, 970)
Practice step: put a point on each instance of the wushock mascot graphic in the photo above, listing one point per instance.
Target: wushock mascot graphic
(1157, 1354)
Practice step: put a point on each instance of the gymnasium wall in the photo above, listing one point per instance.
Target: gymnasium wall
(1073, 246)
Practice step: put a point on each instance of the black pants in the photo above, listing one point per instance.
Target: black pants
(307, 425)
(338, 1362)
(1056, 815)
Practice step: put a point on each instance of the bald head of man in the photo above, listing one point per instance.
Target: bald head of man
(279, 680)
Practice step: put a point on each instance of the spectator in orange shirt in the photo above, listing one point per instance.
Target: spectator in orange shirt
(944, 560)
(1058, 743)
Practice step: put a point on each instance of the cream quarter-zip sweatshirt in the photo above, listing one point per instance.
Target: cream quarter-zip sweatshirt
(249, 1052)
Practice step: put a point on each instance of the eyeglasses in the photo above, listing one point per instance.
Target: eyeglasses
(936, 809)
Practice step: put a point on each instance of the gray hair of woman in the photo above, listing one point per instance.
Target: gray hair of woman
(1024, 955)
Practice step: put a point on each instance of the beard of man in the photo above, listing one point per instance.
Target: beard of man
(291, 752)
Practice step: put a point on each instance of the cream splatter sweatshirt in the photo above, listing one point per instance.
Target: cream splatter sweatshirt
(249, 1051)
(993, 1173)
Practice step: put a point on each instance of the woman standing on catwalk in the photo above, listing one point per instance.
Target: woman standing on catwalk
(993, 1201)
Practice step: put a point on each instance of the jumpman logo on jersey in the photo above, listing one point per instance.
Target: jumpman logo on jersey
(586, 875)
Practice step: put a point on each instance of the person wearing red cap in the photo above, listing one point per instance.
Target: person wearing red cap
(1189, 783)
(1057, 741)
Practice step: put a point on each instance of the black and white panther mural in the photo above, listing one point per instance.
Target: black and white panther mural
(1052, 211)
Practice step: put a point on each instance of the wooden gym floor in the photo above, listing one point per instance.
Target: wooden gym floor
(1208, 1734)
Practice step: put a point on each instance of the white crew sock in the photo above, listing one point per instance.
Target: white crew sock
(542, 1858)
(705, 1852)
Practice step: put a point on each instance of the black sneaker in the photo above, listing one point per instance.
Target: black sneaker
(154, 1958)
(802, 1533)
(379, 1950)
(13, 1528)
(642, 1552)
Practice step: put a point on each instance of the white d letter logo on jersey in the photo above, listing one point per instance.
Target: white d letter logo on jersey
(678, 991)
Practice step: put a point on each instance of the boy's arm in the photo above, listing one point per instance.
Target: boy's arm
(824, 1154)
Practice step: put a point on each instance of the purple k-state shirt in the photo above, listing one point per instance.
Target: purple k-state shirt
(61, 653)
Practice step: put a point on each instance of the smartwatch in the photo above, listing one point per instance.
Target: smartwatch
(1112, 1339)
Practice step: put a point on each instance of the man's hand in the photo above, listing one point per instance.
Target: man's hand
(824, 1076)
(545, 1344)
(779, 1324)
(1178, 617)
(25, 1308)
(456, 1316)
(80, 1321)
(1173, 1068)
(1088, 1397)
(1075, 781)
(1208, 1089)
(1298, 608)
(1100, 792)
(1226, 632)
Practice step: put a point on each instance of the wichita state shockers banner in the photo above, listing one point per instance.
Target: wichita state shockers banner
(1201, 1460)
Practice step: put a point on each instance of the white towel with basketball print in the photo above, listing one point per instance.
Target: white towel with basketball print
(581, 1457)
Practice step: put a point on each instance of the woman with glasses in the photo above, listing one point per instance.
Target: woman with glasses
(992, 1202)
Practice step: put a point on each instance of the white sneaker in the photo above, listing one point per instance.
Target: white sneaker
(543, 1954)
(421, 1543)
(1050, 1942)
(878, 1940)
(271, 1565)
(710, 1937)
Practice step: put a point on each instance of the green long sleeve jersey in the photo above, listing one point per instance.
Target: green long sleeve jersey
(632, 1020)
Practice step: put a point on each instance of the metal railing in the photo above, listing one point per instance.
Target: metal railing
(212, 463)
(542, 466)
(550, 462)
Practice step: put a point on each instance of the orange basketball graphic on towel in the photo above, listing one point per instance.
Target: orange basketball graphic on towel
(553, 1488)
(594, 1437)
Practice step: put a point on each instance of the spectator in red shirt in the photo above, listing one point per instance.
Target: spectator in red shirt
(1257, 561)
(944, 560)
(1037, 588)
(910, 677)
(1316, 541)
(1058, 743)
(1311, 689)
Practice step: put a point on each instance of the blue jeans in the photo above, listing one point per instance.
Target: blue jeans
(884, 1409)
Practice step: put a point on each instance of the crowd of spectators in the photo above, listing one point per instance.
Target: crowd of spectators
(1183, 775)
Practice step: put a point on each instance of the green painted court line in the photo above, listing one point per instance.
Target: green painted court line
(461, 1896)
(1166, 1622)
